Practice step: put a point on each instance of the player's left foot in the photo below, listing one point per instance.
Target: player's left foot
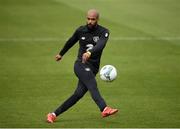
(108, 111)
(51, 118)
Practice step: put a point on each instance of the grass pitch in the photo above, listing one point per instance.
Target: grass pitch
(144, 47)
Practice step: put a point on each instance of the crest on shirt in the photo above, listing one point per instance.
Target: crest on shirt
(96, 38)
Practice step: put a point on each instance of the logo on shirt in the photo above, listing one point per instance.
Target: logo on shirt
(87, 69)
(106, 35)
(83, 38)
(96, 38)
(89, 47)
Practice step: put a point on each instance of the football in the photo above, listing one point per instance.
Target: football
(108, 73)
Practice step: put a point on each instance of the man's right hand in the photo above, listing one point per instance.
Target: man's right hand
(58, 57)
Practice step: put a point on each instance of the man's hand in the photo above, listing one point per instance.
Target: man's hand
(58, 57)
(86, 56)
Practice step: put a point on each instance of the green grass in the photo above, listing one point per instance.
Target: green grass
(146, 91)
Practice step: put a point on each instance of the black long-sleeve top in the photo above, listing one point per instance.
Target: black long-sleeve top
(92, 40)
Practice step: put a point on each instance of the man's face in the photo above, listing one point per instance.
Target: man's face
(92, 19)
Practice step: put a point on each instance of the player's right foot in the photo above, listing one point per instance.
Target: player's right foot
(51, 118)
(108, 111)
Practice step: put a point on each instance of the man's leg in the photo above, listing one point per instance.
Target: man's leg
(90, 82)
(78, 94)
(87, 77)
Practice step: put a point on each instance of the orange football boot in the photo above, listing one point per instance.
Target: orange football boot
(108, 111)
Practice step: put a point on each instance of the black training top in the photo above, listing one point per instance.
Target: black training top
(92, 40)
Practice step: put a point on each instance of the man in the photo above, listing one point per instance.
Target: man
(92, 39)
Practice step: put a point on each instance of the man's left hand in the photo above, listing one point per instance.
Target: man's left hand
(86, 56)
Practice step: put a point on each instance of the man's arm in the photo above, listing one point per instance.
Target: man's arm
(67, 46)
(98, 47)
(101, 43)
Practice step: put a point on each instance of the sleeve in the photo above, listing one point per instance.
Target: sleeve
(101, 43)
(69, 43)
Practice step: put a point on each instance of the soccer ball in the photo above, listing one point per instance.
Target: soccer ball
(108, 73)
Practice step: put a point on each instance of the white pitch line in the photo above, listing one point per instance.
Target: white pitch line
(30, 39)
(144, 38)
(51, 39)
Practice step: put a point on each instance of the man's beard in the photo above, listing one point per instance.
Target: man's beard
(90, 26)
